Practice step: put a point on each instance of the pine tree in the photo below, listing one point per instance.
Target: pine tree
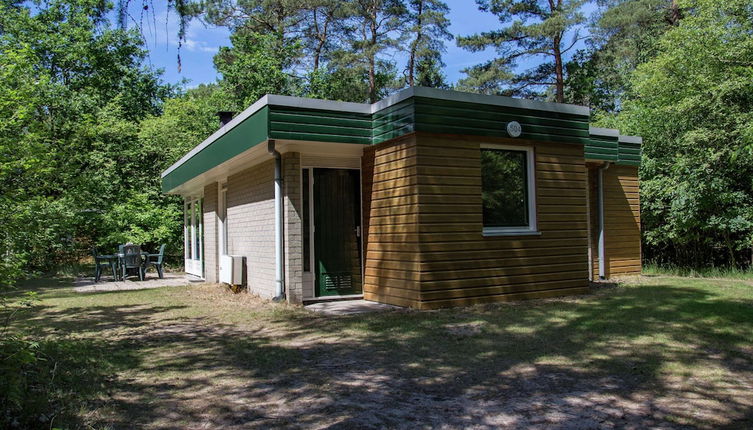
(429, 29)
(377, 24)
(279, 21)
(531, 28)
(325, 27)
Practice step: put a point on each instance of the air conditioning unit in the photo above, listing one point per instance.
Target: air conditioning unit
(231, 269)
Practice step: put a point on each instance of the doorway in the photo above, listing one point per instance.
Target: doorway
(193, 231)
(336, 232)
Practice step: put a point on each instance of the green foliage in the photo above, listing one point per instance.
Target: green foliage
(377, 25)
(504, 188)
(185, 120)
(585, 83)
(344, 84)
(429, 72)
(143, 219)
(18, 359)
(671, 269)
(256, 65)
(530, 29)
(693, 105)
(72, 93)
(624, 34)
(348, 78)
(38, 233)
(318, 48)
(47, 383)
(429, 29)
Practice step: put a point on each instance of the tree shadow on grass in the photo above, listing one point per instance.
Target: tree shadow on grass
(609, 348)
(594, 362)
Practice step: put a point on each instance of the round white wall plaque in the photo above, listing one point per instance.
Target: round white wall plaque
(514, 129)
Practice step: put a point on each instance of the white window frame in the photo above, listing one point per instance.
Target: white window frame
(194, 235)
(532, 228)
(222, 217)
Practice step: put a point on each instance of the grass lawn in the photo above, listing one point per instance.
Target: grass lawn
(662, 352)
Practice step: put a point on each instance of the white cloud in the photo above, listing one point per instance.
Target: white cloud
(199, 46)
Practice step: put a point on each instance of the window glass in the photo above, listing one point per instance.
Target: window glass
(189, 229)
(504, 186)
(197, 227)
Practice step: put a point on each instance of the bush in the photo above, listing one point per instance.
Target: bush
(46, 383)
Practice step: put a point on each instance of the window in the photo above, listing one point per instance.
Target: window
(198, 228)
(507, 190)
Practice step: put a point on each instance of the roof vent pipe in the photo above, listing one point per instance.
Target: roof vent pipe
(225, 117)
(279, 273)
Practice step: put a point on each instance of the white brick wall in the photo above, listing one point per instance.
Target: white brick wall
(250, 216)
(210, 233)
(291, 170)
(250, 223)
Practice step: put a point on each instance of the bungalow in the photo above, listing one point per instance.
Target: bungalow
(428, 199)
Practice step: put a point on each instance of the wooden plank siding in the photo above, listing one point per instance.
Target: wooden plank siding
(622, 220)
(424, 243)
(460, 266)
(390, 225)
(593, 219)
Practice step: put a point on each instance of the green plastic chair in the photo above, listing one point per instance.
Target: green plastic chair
(156, 260)
(131, 259)
(102, 261)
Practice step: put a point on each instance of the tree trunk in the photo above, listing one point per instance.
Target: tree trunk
(372, 61)
(412, 58)
(675, 14)
(320, 44)
(559, 76)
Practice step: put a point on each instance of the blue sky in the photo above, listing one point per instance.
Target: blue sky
(202, 42)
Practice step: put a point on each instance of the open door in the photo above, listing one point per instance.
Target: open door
(337, 232)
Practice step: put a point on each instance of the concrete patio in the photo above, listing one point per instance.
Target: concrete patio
(349, 307)
(87, 285)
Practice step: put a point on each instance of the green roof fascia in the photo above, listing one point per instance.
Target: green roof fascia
(603, 144)
(630, 150)
(409, 110)
(454, 112)
(248, 133)
(394, 121)
(319, 125)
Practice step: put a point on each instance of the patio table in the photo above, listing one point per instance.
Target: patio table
(119, 260)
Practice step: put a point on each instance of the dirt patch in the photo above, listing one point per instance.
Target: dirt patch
(209, 358)
(465, 329)
(202, 382)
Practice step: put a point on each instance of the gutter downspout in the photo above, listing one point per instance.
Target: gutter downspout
(279, 273)
(602, 250)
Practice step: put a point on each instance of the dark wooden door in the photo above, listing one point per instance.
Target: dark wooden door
(337, 226)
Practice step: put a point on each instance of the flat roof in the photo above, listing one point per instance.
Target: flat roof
(367, 109)
(607, 132)
(630, 139)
